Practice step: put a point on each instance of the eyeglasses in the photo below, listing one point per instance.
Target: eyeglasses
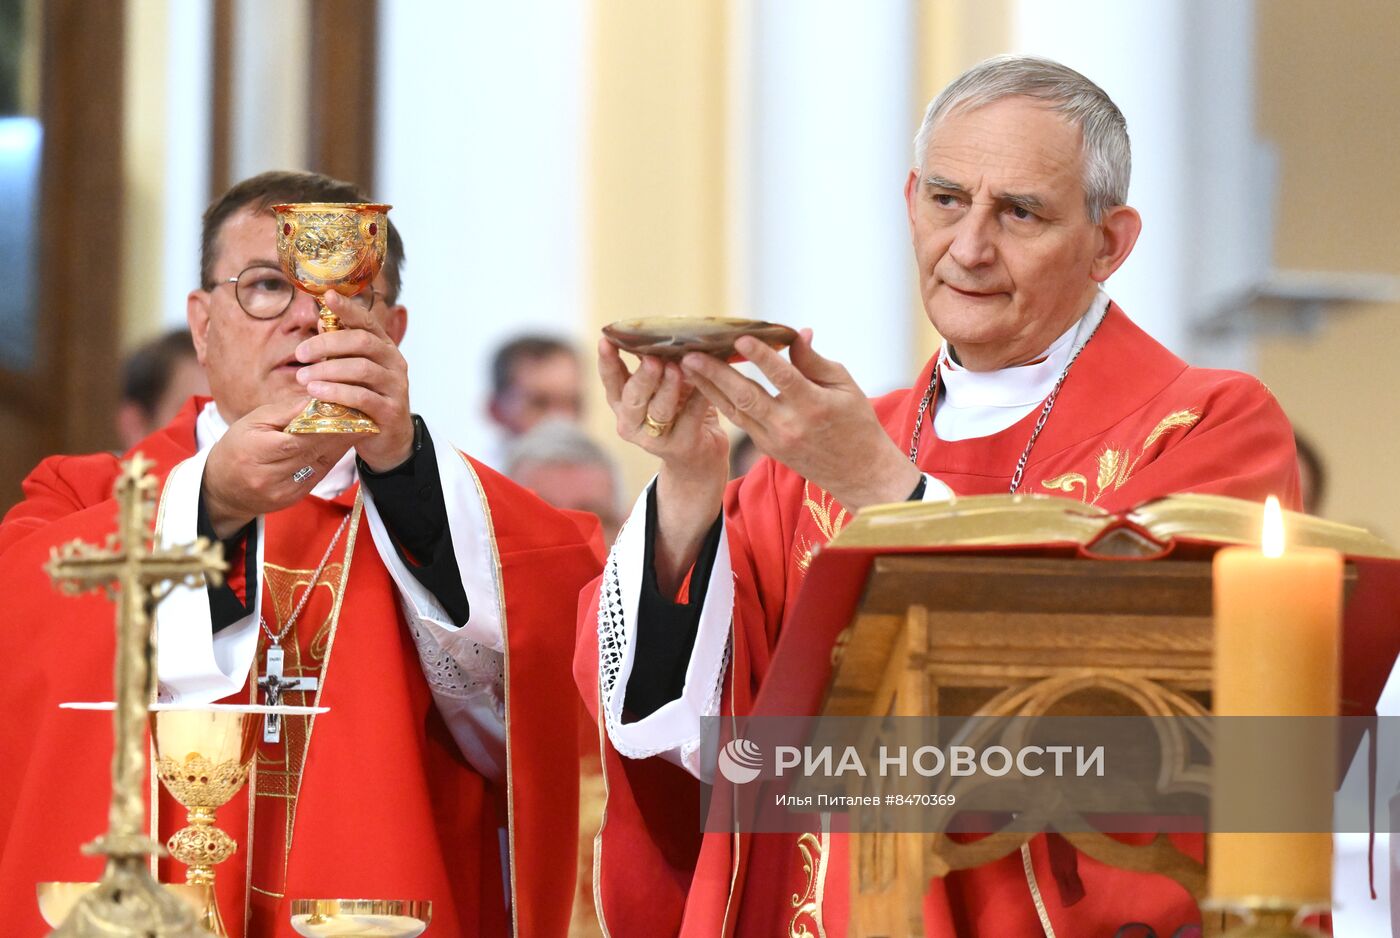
(265, 292)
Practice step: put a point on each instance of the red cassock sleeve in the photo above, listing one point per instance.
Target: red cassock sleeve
(650, 844)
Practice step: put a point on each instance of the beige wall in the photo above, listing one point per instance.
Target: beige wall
(658, 170)
(143, 168)
(1327, 94)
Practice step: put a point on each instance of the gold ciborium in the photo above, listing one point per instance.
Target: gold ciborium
(202, 758)
(336, 246)
(361, 918)
(56, 900)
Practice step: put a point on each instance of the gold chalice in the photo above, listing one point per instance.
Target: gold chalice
(56, 900)
(202, 758)
(336, 246)
(361, 918)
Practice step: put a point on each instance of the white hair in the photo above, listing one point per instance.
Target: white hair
(1107, 154)
(557, 441)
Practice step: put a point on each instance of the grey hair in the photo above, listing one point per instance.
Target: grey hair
(1107, 154)
(557, 441)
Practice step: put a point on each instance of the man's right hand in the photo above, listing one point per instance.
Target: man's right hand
(694, 454)
(250, 471)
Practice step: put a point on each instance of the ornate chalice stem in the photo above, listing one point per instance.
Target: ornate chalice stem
(203, 758)
(330, 322)
(200, 846)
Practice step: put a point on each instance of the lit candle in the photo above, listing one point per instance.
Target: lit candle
(1277, 638)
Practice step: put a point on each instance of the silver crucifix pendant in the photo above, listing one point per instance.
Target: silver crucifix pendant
(274, 685)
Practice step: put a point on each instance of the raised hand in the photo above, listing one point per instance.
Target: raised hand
(256, 468)
(360, 366)
(657, 410)
(819, 424)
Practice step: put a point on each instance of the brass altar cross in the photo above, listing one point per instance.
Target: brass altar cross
(128, 901)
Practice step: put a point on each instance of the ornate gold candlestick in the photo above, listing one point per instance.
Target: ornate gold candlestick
(128, 901)
(336, 246)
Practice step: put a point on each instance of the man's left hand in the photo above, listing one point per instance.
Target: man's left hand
(361, 367)
(820, 425)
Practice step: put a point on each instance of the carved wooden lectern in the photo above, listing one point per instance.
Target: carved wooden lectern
(998, 606)
(1002, 636)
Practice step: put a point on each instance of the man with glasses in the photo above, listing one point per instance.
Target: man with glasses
(386, 577)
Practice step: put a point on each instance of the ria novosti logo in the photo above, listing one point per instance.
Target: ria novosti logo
(740, 761)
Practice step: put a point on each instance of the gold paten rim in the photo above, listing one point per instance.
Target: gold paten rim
(421, 909)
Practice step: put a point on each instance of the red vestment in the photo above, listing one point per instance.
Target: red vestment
(1132, 422)
(387, 806)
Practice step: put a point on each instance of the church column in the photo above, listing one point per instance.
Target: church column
(165, 160)
(829, 153)
(479, 146)
(270, 91)
(659, 176)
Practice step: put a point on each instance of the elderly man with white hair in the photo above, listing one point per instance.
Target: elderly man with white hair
(1017, 209)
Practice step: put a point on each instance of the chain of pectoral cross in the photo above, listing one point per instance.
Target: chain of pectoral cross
(274, 683)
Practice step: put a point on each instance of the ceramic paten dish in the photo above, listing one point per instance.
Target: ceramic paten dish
(671, 337)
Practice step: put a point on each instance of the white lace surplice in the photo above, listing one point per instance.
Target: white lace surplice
(464, 666)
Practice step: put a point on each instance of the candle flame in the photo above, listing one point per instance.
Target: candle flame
(1272, 539)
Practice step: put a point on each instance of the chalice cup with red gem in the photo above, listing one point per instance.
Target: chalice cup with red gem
(326, 246)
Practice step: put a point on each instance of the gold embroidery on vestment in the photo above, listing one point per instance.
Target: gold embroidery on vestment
(1067, 482)
(1115, 466)
(820, 508)
(1172, 421)
(283, 776)
(807, 907)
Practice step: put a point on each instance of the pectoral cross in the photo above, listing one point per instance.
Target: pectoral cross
(274, 685)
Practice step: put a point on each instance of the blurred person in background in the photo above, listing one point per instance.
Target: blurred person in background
(533, 378)
(559, 462)
(157, 378)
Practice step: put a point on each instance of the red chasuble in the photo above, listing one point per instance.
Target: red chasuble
(1132, 423)
(370, 800)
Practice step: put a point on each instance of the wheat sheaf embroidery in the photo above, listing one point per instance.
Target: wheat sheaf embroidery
(1115, 464)
(820, 509)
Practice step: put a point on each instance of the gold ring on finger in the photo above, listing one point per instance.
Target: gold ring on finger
(656, 427)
